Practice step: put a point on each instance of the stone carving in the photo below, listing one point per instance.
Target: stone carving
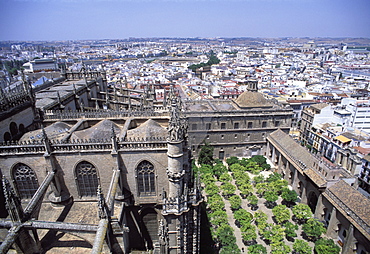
(163, 232)
(101, 204)
(175, 177)
(12, 202)
(177, 127)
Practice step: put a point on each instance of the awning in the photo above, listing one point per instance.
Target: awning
(342, 139)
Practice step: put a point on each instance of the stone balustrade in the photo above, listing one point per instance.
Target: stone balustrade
(38, 146)
(93, 114)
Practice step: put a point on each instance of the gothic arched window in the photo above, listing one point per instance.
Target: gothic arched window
(87, 179)
(25, 180)
(145, 178)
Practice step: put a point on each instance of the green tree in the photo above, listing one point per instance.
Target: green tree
(249, 234)
(230, 249)
(218, 217)
(228, 189)
(241, 178)
(219, 169)
(260, 217)
(243, 217)
(212, 57)
(302, 247)
(278, 185)
(253, 167)
(261, 161)
(244, 161)
(237, 168)
(213, 198)
(212, 60)
(216, 205)
(253, 200)
(225, 177)
(290, 230)
(261, 188)
(313, 229)
(206, 155)
(272, 233)
(235, 202)
(225, 235)
(207, 178)
(246, 190)
(277, 234)
(258, 179)
(274, 177)
(257, 249)
(281, 213)
(206, 169)
(212, 189)
(280, 248)
(289, 196)
(324, 246)
(13, 71)
(271, 198)
(302, 212)
(232, 160)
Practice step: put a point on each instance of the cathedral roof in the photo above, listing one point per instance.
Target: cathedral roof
(148, 129)
(252, 99)
(199, 106)
(99, 131)
(55, 131)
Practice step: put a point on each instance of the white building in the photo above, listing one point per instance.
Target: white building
(360, 113)
(38, 65)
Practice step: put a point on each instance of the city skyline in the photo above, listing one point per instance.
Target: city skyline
(119, 19)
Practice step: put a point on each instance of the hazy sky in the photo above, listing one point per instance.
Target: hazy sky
(120, 19)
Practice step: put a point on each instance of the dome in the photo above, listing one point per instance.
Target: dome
(252, 99)
(101, 130)
(55, 131)
(148, 129)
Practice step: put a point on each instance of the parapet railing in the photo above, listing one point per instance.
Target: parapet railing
(13, 99)
(77, 114)
(41, 146)
(22, 147)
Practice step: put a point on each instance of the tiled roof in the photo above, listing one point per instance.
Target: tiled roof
(293, 150)
(316, 177)
(320, 106)
(352, 204)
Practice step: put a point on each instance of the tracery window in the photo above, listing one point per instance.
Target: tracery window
(25, 181)
(145, 178)
(87, 179)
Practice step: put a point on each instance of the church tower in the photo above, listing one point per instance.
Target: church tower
(180, 228)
